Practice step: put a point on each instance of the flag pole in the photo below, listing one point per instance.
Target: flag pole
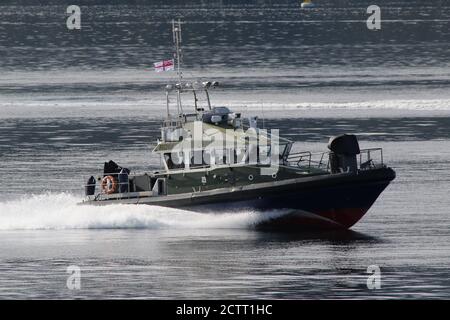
(176, 31)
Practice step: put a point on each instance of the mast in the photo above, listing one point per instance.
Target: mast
(176, 31)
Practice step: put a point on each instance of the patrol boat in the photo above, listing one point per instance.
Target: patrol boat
(214, 159)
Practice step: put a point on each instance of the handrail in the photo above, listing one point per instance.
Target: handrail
(308, 160)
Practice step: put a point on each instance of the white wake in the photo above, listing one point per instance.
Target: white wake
(60, 211)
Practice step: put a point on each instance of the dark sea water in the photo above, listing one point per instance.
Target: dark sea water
(70, 100)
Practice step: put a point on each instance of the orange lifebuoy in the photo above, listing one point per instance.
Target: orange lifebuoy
(109, 185)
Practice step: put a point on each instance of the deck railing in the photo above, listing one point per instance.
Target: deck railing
(100, 193)
(367, 159)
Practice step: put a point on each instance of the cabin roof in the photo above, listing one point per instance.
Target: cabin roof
(209, 131)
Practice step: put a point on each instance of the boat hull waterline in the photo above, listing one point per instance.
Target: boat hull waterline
(325, 201)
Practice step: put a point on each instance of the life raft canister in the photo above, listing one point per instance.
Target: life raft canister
(109, 185)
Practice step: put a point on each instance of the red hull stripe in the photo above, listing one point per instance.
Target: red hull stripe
(330, 219)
